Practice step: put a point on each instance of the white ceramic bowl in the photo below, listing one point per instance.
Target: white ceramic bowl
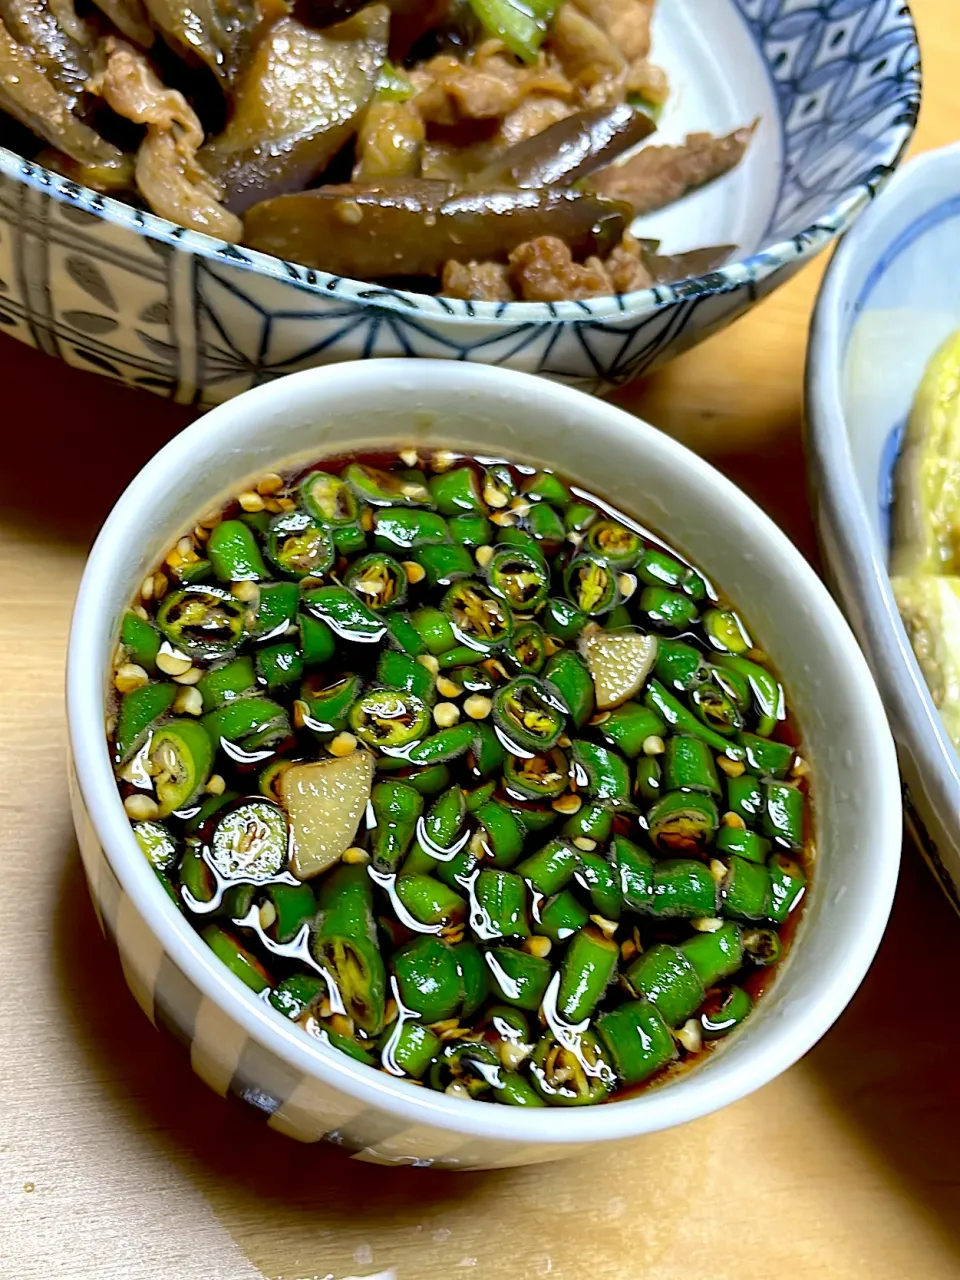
(836, 88)
(888, 300)
(240, 1045)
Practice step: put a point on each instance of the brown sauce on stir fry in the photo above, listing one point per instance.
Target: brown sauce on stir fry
(483, 149)
(466, 773)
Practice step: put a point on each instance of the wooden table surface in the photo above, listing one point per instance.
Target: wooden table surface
(116, 1163)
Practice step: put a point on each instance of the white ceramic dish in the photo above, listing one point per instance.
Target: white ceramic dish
(836, 88)
(889, 299)
(240, 1045)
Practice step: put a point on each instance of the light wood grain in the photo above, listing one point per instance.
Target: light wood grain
(116, 1163)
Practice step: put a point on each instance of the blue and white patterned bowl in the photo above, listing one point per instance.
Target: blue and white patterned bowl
(889, 299)
(834, 83)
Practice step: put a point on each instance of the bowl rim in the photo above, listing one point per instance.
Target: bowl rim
(657, 1109)
(833, 477)
(750, 271)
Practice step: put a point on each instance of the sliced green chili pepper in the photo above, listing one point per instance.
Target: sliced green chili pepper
(638, 1040)
(396, 670)
(470, 531)
(515, 1090)
(434, 629)
(399, 529)
(630, 726)
(596, 875)
(783, 813)
(520, 577)
(409, 1048)
(445, 745)
(279, 665)
(715, 955)
(349, 539)
(295, 995)
(668, 608)
(141, 639)
(500, 909)
(396, 808)
(648, 778)
(666, 977)
(571, 1074)
(550, 868)
(139, 711)
(591, 584)
(457, 492)
(276, 609)
(207, 807)
(657, 569)
(224, 683)
(430, 901)
(689, 763)
(762, 946)
(529, 713)
(593, 821)
(745, 797)
(725, 631)
(503, 836)
(715, 707)
(765, 687)
(538, 777)
(192, 571)
(787, 884)
(766, 758)
(474, 975)
(345, 615)
(385, 488)
(344, 941)
(477, 616)
(486, 750)
(299, 546)
(294, 904)
(234, 553)
(479, 796)
(633, 868)
(251, 722)
(499, 479)
(327, 708)
(614, 542)
(550, 488)
(457, 872)
(601, 773)
(378, 580)
(202, 621)
(460, 655)
(526, 649)
(428, 781)
(429, 979)
(404, 634)
(586, 971)
(518, 978)
(569, 675)
(561, 917)
(563, 619)
(237, 901)
(727, 1012)
(241, 962)
(317, 643)
(679, 665)
(439, 833)
(196, 876)
(545, 526)
(578, 517)
(250, 842)
(743, 843)
(618, 619)
(532, 818)
(158, 845)
(471, 1064)
(445, 564)
(683, 721)
(259, 521)
(683, 887)
(181, 758)
(389, 719)
(328, 499)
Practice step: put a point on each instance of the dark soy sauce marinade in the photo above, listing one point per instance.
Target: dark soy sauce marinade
(466, 773)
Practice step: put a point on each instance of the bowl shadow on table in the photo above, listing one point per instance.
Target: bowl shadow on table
(886, 1071)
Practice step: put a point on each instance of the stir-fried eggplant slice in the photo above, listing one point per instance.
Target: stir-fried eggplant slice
(413, 228)
(130, 19)
(61, 51)
(30, 97)
(390, 141)
(568, 150)
(217, 33)
(657, 176)
(297, 103)
(167, 172)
